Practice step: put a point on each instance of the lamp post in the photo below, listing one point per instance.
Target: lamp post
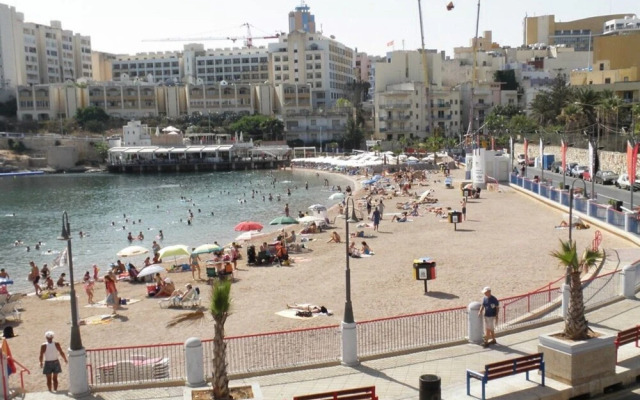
(78, 380)
(567, 277)
(349, 335)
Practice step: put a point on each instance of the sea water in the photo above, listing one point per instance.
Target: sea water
(106, 207)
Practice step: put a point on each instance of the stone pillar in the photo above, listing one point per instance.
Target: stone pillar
(476, 330)
(566, 297)
(628, 281)
(349, 354)
(194, 363)
(78, 378)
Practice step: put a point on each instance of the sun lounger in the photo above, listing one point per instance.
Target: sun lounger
(9, 310)
(192, 299)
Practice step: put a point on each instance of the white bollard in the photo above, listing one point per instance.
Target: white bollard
(628, 281)
(566, 297)
(476, 329)
(349, 354)
(194, 363)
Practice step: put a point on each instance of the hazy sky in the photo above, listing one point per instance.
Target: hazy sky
(119, 26)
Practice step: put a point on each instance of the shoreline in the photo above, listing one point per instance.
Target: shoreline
(504, 244)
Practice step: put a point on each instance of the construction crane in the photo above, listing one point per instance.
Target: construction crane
(248, 39)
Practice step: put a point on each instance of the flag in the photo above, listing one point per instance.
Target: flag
(526, 152)
(563, 155)
(389, 44)
(450, 6)
(632, 158)
(592, 159)
(542, 154)
(11, 365)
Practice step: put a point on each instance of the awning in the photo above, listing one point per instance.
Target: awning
(196, 149)
(210, 148)
(133, 150)
(149, 150)
(162, 150)
(179, 150)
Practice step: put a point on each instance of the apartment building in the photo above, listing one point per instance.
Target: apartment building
(32, 54)
(152, 67)
(323, 63)
(240, 65)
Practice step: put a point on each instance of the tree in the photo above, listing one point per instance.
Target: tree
(548, 104)
(575, 324)
(219, 307)
(92, 113)
(257, 126)
(507, 79)
(102, 148)
(274, 126)
(353, 136)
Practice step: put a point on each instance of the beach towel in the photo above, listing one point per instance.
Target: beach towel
(103, 304)
(96, 319)
(300, 259)
(63, 297)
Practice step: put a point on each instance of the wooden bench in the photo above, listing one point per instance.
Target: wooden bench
(627, 336)
(501, 369)
(363, 393)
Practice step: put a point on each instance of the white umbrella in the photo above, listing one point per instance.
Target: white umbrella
(336, 196)
(171, 129)
(132, 251)
(175, 251)
(151, 270)
(249, 235)
(412, 158)
(310, 218)
(317, 207)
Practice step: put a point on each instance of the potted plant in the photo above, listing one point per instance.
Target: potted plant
(567, 353)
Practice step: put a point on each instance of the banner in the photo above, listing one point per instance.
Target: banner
(526, 152)
(389, 44)
(542, 166)
(592, 158)
(632, 157)
(563, 155)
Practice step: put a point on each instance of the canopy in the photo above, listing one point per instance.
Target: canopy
(171, 129)
(317, 207)
(174, 251)
(151, 270)
(132, 251)
(250, 235)
(207, 248)
(310, 218)
(283, 220)
(248, 226)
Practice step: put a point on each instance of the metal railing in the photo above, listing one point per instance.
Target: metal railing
(522, 310)
(601, 289)
(136, 364)
(413, 331)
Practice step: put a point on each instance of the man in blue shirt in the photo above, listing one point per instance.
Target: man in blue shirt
(490, 306)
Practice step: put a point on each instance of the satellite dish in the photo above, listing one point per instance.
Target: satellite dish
(223, 83)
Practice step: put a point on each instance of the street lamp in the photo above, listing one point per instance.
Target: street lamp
(349, 335)
(78, 382)
(567, 277)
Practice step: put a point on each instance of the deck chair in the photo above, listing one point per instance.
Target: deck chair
(192, 299)
(9, 310)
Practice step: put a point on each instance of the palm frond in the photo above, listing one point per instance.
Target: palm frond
(190, 317)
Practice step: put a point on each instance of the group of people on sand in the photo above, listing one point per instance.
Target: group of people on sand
(42, 279)
(356, 252)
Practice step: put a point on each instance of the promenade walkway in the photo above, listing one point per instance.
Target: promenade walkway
(397, 378)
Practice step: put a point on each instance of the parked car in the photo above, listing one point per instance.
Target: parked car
(570, 166)
(623, 182)
(606, 177)
(579, 170)
(555, 166)
(521, 160)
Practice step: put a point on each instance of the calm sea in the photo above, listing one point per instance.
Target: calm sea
(107, 207)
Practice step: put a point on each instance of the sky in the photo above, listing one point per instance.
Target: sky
(119, 26)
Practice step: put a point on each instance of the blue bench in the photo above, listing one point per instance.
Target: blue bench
(501, 369)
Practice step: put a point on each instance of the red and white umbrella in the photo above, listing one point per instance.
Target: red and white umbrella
(248, 226)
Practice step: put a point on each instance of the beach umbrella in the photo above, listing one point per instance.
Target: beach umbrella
(248, 226)
(310, 218)
(412, 158)
(337, 196)
(132, 251)
(207, 248)
(317, 207)
(283, 220)
(151, 270)
(249, 235)
(174, 251)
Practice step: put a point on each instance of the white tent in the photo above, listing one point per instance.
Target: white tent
(171, 129)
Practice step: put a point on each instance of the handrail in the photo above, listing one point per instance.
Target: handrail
(22, 371)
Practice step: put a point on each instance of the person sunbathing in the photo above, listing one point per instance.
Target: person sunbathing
(400, 219)
(164, 287)
(309, 308)
(365, 249)
(353, 250)
(178, 295)
(335, 237)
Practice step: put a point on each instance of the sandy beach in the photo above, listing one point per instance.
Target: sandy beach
(505, 243)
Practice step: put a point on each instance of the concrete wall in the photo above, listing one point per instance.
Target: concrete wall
(62, 157)
(616, 162)
(40, 145)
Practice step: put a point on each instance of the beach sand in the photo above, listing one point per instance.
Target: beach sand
(505, 243)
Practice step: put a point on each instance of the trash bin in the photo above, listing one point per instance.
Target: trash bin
(429, 387)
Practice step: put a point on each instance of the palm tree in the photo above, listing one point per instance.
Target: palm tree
(575, 323)
(219, 308)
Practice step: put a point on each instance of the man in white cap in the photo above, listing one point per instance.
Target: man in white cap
(490, 306)
(51, 366)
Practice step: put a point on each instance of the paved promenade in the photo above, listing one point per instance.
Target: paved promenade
(397, 378)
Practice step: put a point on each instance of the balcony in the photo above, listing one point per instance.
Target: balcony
(396, 106)
(399, 117)
(481, 106)
(441, 117)
(441, 105)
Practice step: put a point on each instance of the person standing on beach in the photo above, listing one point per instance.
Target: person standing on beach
(463, 203)
(380, 207)
(195, 264)
(368, 206)
(376, 219)
(112, 292)
(286, 209)
(490, 306)
(49, 360)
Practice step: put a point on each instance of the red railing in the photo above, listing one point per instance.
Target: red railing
(22, 371)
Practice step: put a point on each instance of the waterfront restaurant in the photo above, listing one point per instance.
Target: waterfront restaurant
(141, 155)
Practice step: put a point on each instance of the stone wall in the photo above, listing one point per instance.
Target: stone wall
(39, 145)
(613, 161)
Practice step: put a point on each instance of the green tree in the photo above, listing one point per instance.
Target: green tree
(274, 127)
(522, 123)
(548, 104)
(102, 148)
(258, 127)
(92, 113)
(575, 323)
(507, 79)
(353, 136)
(220, 309)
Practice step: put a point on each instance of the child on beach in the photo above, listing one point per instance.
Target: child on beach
(88, 286)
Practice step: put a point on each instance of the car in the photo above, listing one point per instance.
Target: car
(606, 177)
(623, 182)
(570, 166)
(579, 170)
(521, 160)
(555, 166)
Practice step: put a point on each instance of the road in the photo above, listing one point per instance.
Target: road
(603, 192)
